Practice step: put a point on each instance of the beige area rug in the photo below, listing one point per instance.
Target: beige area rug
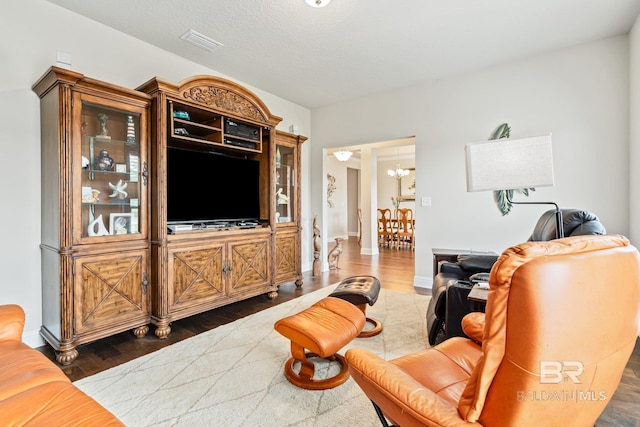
(233, 375)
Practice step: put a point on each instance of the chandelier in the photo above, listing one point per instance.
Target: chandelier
(398, 172)
(318, 3)
(342, 154)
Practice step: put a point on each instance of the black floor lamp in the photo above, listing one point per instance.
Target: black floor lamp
(507, 164)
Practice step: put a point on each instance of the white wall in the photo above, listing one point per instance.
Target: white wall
(580, 94)
(337, 221)
(98, 52)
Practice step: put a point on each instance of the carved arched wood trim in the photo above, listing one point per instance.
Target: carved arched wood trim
(227, 96)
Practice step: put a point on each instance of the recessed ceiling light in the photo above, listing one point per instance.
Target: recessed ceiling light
(200, 40)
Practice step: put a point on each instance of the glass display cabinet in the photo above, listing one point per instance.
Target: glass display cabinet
(94, 240)
(287, 208)
(285, 183)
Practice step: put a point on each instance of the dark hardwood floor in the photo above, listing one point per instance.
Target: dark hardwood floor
(394, 268)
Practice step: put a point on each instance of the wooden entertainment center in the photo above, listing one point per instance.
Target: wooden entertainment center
(105, 161)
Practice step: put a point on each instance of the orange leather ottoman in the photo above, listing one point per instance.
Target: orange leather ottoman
(360, 291)
(323, 329)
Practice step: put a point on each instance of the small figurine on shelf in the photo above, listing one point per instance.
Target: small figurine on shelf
(131, 130)
(118, 190)
(90, 195)
(278, 157)
(282, 199)
(104, 128)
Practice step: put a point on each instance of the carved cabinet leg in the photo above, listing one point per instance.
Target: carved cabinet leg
(141, 331)
(163, 331)
(66, 357)
(298, 283)
(272, 295)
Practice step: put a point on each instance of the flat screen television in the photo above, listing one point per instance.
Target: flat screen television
(210, 187)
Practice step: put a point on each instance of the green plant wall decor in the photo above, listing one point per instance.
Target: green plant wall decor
(503, 197)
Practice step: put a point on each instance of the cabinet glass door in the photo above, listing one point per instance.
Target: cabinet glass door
(110, 169)
(285, 183)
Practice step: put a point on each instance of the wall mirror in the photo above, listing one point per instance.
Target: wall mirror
(408, 185)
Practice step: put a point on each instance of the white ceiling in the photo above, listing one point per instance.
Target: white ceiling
(351, 48)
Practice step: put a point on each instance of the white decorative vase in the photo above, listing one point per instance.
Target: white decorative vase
(97, 228)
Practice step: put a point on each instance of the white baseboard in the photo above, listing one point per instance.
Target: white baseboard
(370, 251)
(422, 282)
(32, 339)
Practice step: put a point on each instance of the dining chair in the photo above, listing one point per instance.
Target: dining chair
(386, 234)
(405, 231)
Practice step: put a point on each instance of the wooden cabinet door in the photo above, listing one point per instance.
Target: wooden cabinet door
(110, 290)
(286, 256)
(248, 266)
(196, 274)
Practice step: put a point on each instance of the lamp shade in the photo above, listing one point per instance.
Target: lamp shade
(506, 164)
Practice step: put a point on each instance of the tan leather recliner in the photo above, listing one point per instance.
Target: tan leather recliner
(561, 323)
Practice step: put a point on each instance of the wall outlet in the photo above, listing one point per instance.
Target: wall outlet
(425, 201)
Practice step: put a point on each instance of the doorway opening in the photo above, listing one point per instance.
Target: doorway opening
(362, 184)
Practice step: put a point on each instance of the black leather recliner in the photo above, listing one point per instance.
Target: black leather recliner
(452, 284)
(574, 221)
(449, 292)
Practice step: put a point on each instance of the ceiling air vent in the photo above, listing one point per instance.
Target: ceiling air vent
(200, 40)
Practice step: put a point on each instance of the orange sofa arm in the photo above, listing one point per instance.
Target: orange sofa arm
(11, 322)
(473, 325)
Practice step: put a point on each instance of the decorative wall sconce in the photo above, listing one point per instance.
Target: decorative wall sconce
(331, 188)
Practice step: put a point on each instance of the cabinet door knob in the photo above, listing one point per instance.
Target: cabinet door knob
(145, 173)
(145, 282)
